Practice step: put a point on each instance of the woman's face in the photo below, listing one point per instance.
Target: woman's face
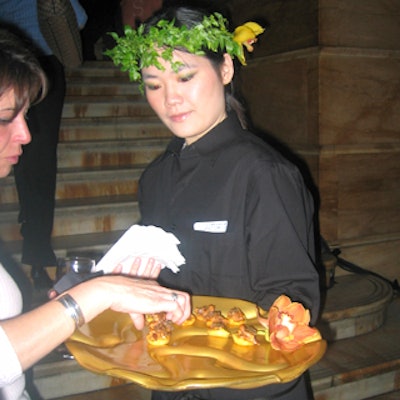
(13, 133)
(189, 102)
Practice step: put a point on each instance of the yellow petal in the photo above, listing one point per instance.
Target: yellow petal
(242, 34)
(256, 28)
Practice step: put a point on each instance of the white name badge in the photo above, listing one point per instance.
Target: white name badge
(211, 226)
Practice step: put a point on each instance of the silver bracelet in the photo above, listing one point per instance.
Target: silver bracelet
(72, 309)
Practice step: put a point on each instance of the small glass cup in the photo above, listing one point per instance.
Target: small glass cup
(80, 265)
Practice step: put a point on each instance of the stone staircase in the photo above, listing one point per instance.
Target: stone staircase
(108, 135)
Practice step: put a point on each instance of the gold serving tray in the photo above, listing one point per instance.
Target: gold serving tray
(111, 345)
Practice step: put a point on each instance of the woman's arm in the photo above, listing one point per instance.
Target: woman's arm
(36, 333)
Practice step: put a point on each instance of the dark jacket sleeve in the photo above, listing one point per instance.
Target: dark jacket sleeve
(280, 236)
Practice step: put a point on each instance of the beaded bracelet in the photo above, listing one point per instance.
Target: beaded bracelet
(72, 309)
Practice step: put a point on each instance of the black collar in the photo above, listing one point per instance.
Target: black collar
(214, 141)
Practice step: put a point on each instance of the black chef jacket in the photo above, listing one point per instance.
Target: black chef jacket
(242, 214)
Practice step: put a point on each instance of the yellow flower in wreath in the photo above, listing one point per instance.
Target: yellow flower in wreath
(246, 35)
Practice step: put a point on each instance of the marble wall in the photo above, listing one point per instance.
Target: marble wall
(325, 80)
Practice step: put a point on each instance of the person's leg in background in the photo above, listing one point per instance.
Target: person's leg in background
(102, 17)
(35, 175)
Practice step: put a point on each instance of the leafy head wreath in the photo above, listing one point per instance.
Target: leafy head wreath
(139, 49)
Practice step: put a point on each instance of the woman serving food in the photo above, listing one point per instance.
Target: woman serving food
(240, 210)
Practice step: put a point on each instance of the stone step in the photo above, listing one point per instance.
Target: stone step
(8, 192)
(96, 169)
(121, 106)
(108, 134)
(74, 129)
(93, 244)
(125, 160)
(361, 367)
(75, 183)
(355, 305)
(104, 97)
(387, 396)
(89, 86)
(98, 182)
(351, 369)
(96, 69)
(99, 78)
(79, 216)
(106, 153)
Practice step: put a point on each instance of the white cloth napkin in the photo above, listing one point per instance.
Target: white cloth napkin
(144, 242)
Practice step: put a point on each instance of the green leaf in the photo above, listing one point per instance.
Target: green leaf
(137, 50)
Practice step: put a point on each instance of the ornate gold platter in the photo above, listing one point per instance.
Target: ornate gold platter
(111, 345)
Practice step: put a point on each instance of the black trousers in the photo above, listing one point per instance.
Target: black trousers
(298, 389)
(35, 174)
(103, 16)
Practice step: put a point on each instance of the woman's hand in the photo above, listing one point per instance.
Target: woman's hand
(147, 297)
(52, 325)
(138, 268)
(133, 296)
(142, 267)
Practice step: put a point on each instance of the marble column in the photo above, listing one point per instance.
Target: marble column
(325, 80)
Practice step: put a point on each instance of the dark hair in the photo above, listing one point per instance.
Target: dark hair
(20, 71)
(190, 17)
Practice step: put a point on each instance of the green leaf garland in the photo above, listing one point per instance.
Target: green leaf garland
(137, 50)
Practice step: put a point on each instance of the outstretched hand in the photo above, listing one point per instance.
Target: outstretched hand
(135, 296)
(136, 293)
(148, 297)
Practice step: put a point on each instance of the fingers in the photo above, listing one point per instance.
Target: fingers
(134, 270)
(152, 269)
(144, 267)
(155, 271)
(182, 309)
(149, 270)
(138, 320)
(144, 296)
(117, 269)
(176, 304)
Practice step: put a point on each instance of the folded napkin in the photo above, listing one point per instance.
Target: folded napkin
(144, 242)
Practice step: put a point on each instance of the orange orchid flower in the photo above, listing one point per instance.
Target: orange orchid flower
(287, 325)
